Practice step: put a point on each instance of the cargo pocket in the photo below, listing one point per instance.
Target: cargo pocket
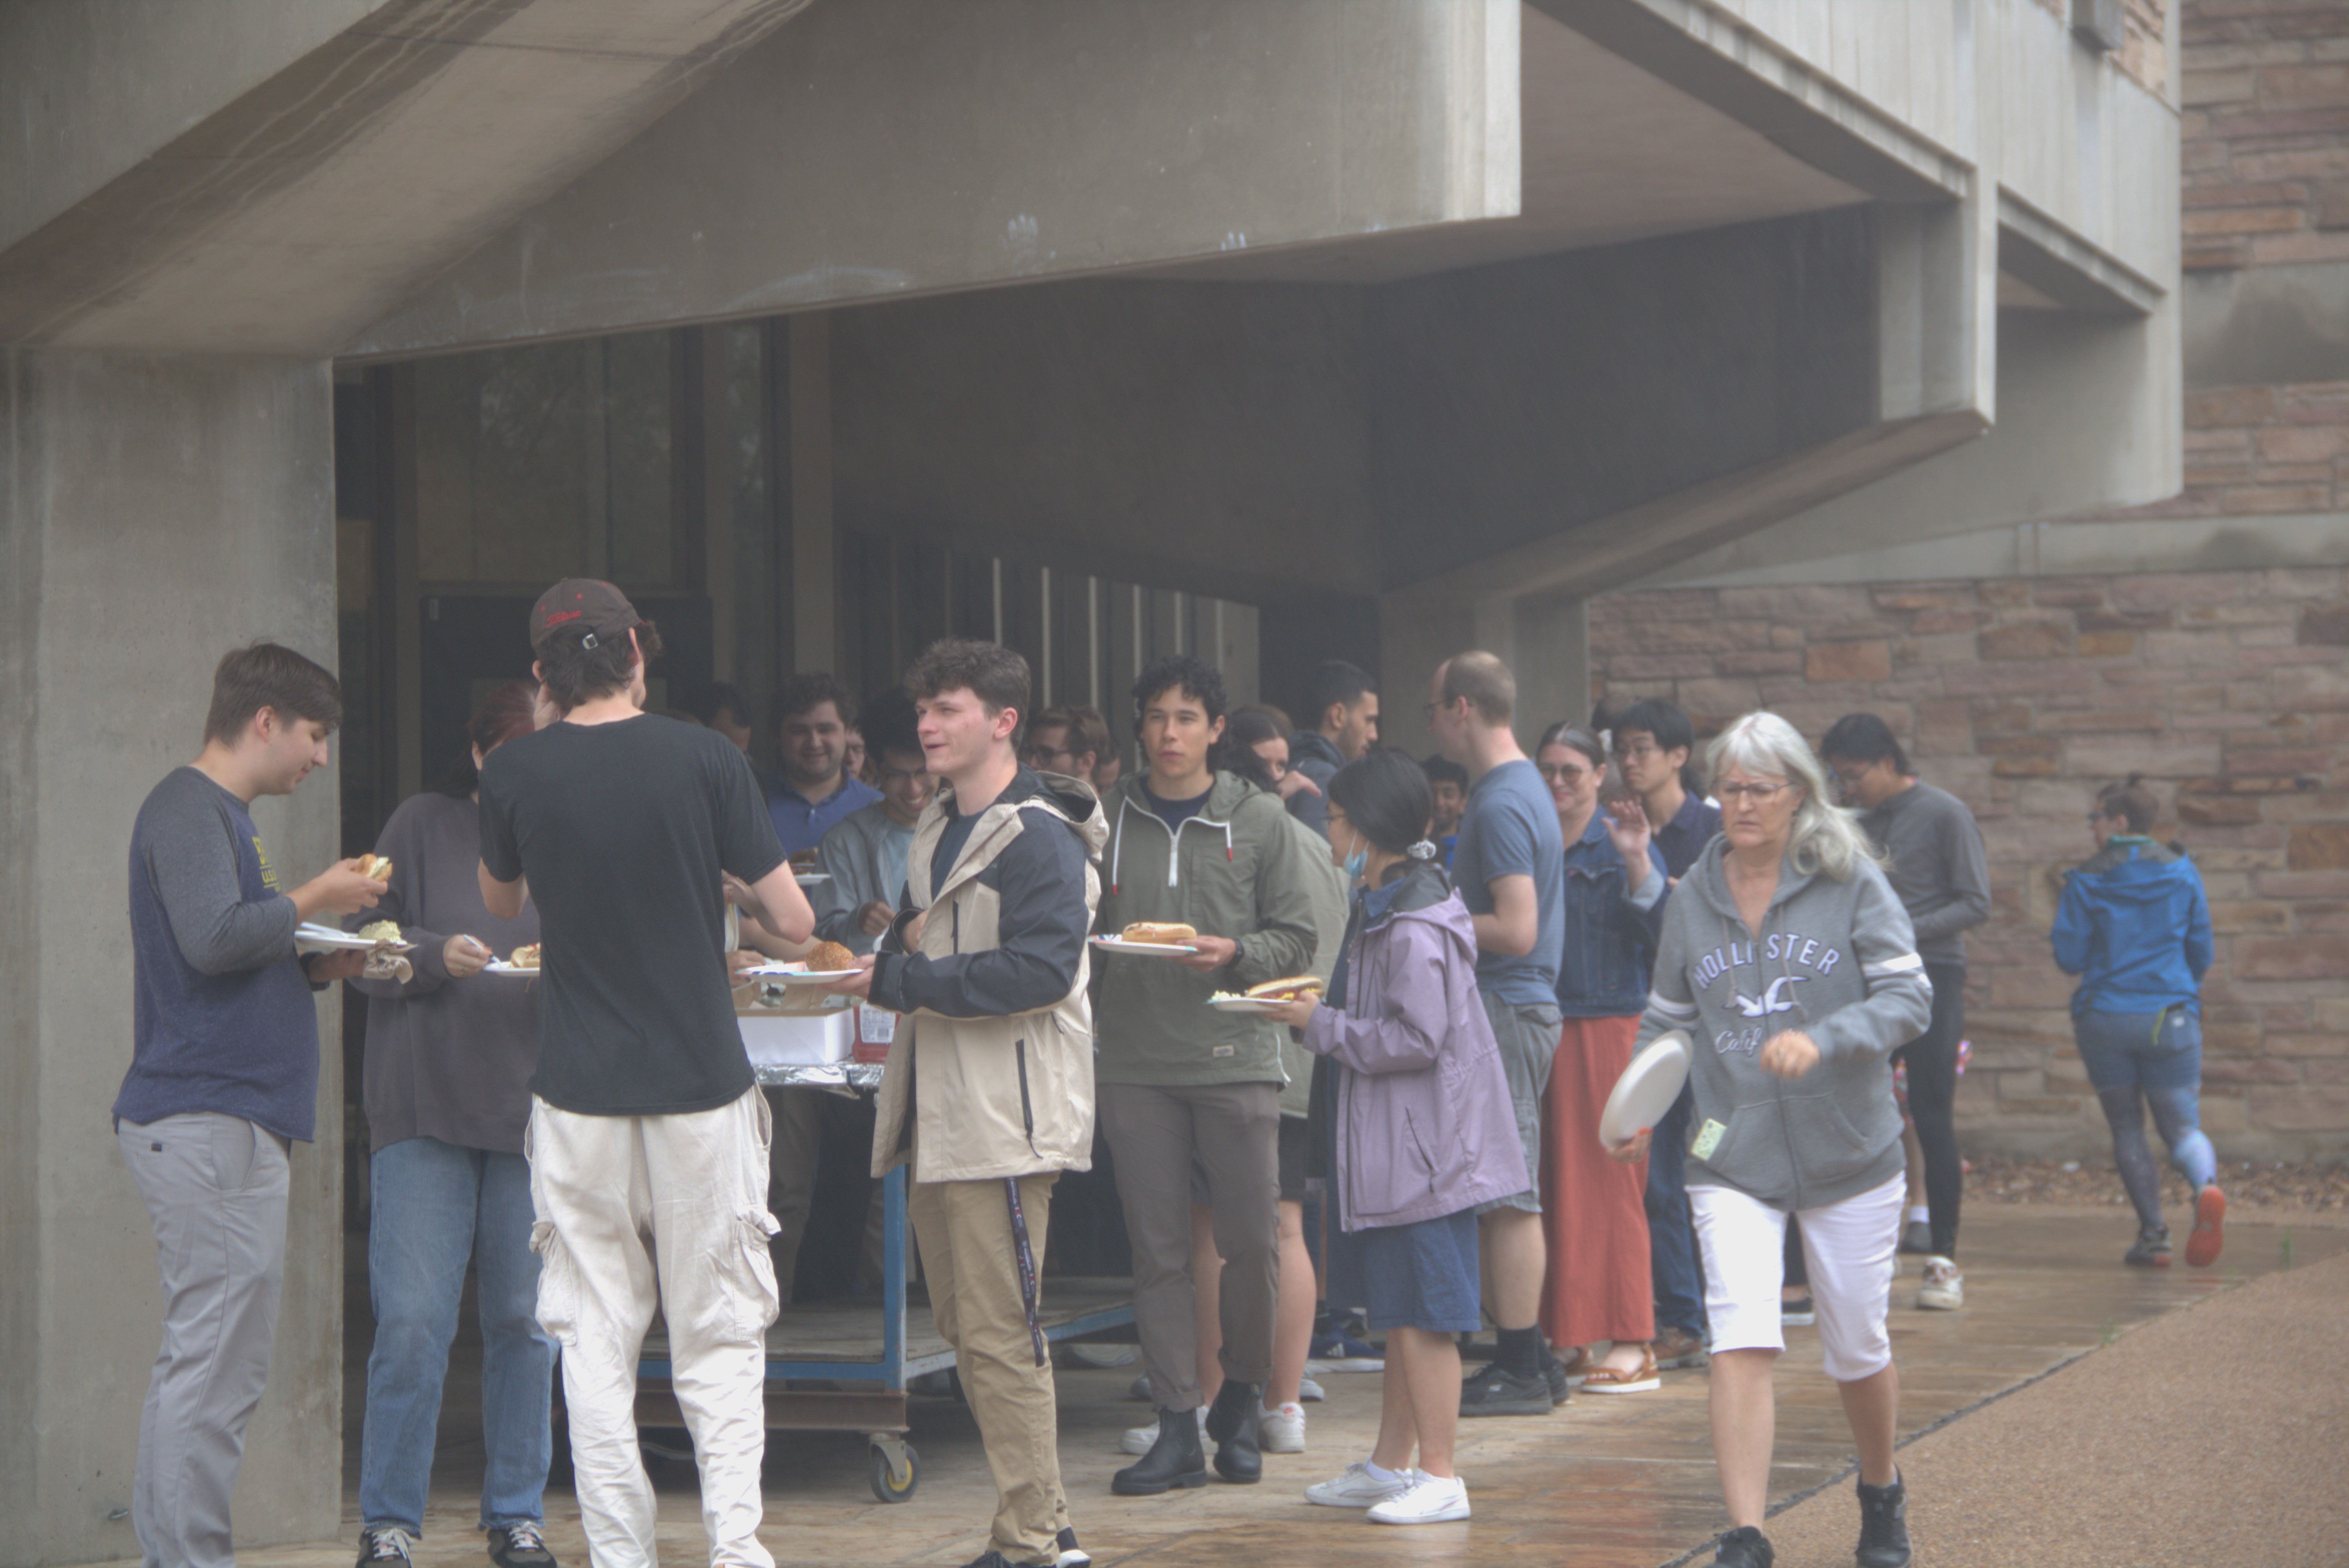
(752, 1297)
(558, 1284)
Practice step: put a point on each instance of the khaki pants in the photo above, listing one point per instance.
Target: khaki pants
(694, 1187)
(1233, 1131)
(964, 1230)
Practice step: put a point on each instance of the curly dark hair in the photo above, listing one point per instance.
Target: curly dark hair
(576, 673)
(996, 675)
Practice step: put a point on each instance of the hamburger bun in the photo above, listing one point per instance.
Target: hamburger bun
(826, 957)
(376, 867)
(1286, 989)
(805, 859)
(1158, 933)
(525, 957)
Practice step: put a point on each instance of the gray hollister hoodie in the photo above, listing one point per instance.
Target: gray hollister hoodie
(1837, 960)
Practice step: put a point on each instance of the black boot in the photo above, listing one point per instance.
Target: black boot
(1883, 1525)
(1174, 1459)
(1231, 1421)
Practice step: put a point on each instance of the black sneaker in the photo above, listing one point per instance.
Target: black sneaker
(385, 1544)
(519, 1547)
(1494, 1390)
(2151, 1251)
(1883, 1525)
(1071, 1554)
(1553, 1374)
(1743, 1547)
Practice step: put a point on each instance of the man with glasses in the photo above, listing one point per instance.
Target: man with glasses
(1652, 742)
(1942, 877)
(1070, 741)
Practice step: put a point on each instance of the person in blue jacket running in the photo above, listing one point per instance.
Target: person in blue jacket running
(2135, 926)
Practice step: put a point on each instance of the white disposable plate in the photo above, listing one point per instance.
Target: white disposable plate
(811, 878)
(499, 967)
(1255, 1004)
(1646, 1091)
(1147, 949)
(790, 976)
(310, 938)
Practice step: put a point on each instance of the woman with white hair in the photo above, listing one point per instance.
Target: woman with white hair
(1791, 965)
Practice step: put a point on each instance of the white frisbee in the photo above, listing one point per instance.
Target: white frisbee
(1646, 1091)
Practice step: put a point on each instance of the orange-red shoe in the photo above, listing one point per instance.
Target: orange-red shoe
(2209, 1228)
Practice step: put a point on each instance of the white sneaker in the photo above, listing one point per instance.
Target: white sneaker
(1281, 1431)
(1359, 1489)
(1139, 1441)
(1437, 1500)
(1944, 1289)
(1309, 1392)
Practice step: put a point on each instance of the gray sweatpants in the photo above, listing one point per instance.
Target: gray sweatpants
(1233, 1129)
(215, 1186)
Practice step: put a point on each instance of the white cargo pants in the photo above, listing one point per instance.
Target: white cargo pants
(634, 1212)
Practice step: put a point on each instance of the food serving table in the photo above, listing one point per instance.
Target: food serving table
(831, 1368)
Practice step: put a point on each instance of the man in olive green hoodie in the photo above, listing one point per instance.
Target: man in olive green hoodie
(1180, 1081)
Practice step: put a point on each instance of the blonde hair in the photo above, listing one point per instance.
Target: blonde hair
(1824, 837)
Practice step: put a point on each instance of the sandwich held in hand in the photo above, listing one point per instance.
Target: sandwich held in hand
(377, 868)
(1157, 933)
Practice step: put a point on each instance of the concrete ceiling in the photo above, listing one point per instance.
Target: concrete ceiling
(317, 201)
(1611, 154)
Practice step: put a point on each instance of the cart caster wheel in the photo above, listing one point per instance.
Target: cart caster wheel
(897, 1469)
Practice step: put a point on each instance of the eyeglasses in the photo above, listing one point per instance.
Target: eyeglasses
(1639, 751)
(1758, 793)
(1041, 756)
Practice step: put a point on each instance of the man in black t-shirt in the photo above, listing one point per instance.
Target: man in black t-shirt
(647, 1135)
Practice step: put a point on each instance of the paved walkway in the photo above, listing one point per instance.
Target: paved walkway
(2145, 1418)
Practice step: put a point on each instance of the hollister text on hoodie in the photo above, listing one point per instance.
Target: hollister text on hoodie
(1836, 960)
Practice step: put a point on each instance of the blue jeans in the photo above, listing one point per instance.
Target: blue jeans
(1673, 1267)
(2136, 1059)
(436, 1207)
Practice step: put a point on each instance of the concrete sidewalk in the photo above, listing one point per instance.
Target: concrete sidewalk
(2192, 1395)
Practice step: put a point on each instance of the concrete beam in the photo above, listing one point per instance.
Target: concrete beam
(905, 147)
(153, 512)
(286, 218)
(1742, 70)
(2066, 268)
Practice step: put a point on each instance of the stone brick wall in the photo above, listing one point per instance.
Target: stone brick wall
(2228, 690)
(2264, 141)
(2141, 57)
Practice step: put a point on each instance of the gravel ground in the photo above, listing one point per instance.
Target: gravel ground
(2206, 1436)
(2310, 1188)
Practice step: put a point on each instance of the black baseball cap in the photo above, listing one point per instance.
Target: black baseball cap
(598, 607)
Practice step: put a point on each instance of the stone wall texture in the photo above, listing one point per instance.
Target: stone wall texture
(2228, 690)
(2264, 138)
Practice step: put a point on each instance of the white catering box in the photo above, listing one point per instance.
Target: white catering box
(796, 1036)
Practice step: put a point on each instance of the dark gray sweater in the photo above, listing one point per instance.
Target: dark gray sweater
(1938, 869)
(447, 1058)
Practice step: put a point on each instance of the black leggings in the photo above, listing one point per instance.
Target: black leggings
(1931, 1059)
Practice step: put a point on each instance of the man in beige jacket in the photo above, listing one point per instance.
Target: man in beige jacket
(989, 1091)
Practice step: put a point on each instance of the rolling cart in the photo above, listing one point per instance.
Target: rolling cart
(865, 1365)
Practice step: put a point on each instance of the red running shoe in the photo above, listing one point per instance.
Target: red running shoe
(2209, 1228)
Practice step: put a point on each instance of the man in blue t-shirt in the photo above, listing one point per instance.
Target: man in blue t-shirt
(1510, 865)
(223, 1078)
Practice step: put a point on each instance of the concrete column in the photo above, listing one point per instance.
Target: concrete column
(815, 595)
(154, 512)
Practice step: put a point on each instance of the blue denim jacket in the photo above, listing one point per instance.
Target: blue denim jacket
(1610, 938)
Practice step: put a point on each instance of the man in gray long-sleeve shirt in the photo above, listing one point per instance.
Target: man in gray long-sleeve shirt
(1942, 878)
(223, 1079)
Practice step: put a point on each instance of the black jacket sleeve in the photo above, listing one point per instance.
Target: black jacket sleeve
(1040, 938)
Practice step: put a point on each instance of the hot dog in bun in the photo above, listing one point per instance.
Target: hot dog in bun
(1286, 989)
(1158, 933)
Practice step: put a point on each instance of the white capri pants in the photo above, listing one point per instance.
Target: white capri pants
(1848, 1248)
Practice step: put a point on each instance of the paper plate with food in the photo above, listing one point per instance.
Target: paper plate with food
(807, 871)
(1266, 997)
(1150, 938)
(376, 936)
(521, 961)
(825, 962)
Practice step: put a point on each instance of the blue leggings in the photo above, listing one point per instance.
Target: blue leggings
(2140, 1059)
